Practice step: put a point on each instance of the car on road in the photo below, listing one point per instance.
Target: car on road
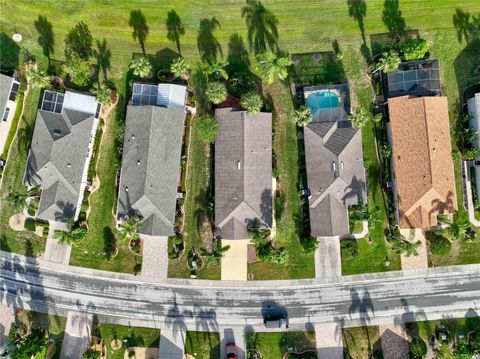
(275, 321)
(231, 350)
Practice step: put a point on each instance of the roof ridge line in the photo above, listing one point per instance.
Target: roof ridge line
(428, 143)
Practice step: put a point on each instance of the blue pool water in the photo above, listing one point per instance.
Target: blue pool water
(322, 100)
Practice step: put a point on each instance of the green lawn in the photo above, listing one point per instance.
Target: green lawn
(274, 345)
(19, 242)
(203, 345)
(311, 27)
(135, 337)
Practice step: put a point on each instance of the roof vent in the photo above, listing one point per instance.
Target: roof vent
(69, 165)
(133, 137)
(126, 189)
(239, 165)
(57, 132)
(138, 163)
(341, 165)
(334, 166)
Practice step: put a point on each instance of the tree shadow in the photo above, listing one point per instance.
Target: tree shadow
(392, 16)
(10, 53)
(138, 23)
(261, 27)
(66, 211)
(238, 58)
(266, 206)
(109, 242)
(79, 42)
(208, 45)
(45, 35)
(175, 28)
(357, 9)
(103, 56)
(467, 26)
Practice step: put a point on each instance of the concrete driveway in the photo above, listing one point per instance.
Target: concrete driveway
(328, 263)
(155, 256)
(234, 261)
(415, 262)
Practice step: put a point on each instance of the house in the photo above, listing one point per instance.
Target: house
(60, 152)
(8, 95)
(243, 172)
(474, 111)
(335, 175)
(422, 163)
(151, 157)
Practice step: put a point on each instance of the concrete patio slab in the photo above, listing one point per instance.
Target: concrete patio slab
(7, 316)
(328, 263)
(155, 256)
(234, 261)
(172, 343)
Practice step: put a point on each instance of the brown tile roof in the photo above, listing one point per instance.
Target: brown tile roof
(422, 159)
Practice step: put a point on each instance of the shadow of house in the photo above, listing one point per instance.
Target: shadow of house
(392, 16)
(467, 67)
(208, 45)
(161, 62)
(10, 53)
(261, 27)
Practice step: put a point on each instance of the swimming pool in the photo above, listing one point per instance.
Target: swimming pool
(322, 100)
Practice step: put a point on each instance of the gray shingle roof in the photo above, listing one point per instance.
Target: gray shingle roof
(57, 160)
(243, 172)
(335, 175)
(150, 166)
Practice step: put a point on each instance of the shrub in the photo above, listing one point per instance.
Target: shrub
(216, 92)
(303, 116)
(240, 84)
(388, 62)
(349, 248)
(140, 66)
(279, 206)
(30, 345)
(414, 49)
(102, 93)
(91, 354)
(30, 224)
(137, 268)
(418, 348)
(309, 244)
(207, 128)
(252, 102)
(439, 245)
(37, 78)
(360, 117)
(180, 68)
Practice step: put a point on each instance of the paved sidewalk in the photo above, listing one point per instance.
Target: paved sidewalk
(77, 335)
(415, 262)
(54, 251)
(468, 185)
(234, 261)
(172, 343)
(329, 341)
(233, 335)
(328, 263)
(394, 340)
(7, 317)
(155, 256)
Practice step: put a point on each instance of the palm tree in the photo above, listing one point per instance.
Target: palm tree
(102, 93)
(360, 117)
(37, 78)
(180, 68)
(70, 237)
(261, 25)
(388, 62)
(141, 66)
(215, 255)
(252, 102)
(303, 116)
(273, 66)
(458, 227)
(218, 69)
(130, 227)
(216, 92)
(402, 246)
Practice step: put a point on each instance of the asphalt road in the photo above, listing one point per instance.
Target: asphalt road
(209, 305)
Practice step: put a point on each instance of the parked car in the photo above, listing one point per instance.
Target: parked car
(275, 321)
(231, 351)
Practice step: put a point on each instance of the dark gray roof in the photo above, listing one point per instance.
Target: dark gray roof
(243, 172)
(151, 167)
(5, 87)
(57, 159)
(335, 175)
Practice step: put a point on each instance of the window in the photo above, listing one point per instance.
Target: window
(5, 114)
